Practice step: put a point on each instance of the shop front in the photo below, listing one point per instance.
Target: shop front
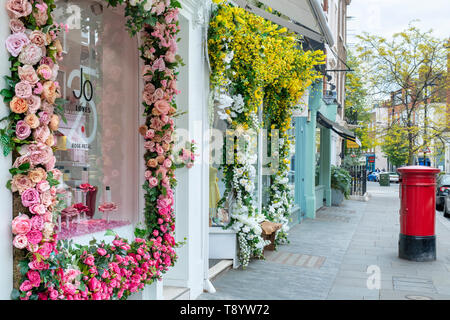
(105, 189)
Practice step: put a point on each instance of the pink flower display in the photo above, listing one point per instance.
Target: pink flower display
(116, 270)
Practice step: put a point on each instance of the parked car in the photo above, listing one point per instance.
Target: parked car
(442, 191)
(393, 177)
(373, 176)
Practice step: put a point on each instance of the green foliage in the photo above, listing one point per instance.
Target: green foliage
(341, 180)
(395, 145)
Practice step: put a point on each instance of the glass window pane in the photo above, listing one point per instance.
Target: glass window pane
(99, 77)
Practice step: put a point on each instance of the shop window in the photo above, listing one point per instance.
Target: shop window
(98, 143)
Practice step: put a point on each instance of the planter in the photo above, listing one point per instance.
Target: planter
(337, 197)
(223, 245)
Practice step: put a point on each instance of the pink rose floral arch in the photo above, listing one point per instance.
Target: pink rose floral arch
(53, 269)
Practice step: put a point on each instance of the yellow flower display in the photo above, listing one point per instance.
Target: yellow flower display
(263, 64)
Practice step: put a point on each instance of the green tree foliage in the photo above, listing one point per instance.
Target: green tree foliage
(414, 64)
(395, 145)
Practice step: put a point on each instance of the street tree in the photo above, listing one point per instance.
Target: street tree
(411, 70)
(357, 110)
(395, 145)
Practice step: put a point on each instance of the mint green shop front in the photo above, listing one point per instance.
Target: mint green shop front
(309, 197)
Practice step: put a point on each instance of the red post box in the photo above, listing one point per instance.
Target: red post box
(417, 213)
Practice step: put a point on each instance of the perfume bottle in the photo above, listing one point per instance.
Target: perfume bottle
(108, 194)
(85, 175)
(66, 175)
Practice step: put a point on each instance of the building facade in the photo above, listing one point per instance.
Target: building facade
(99, 143)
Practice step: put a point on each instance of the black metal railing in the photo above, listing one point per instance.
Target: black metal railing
(359, 180)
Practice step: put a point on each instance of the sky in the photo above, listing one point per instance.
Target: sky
(386, 17)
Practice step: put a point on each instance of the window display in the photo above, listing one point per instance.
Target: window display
(96, 142)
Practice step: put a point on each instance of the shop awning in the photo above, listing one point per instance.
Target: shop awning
(340, 130)
(353, 144)
(306, 17)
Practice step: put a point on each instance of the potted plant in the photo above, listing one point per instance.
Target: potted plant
(340, 185)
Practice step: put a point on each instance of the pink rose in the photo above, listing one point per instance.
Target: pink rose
(38, 265)
(21, 160)
(149, 87)
(147, 174)
(159, 150)
(43, 186)
(149, 145)
(47, 198)
(20, 241)
(94, 284)
(41, 17)
(26, 286)
(159, 65)
(38, 209)
(31, 54)
(44, 118)
(101, 251)
(147, 97)
(37, 222)
(16, 26)
(28, 74)
(41, 133)
(147, 73)
(21, 224)
(170, 57)
(90, 260)
(39, 153)
(45, 250)
(30, 197)
(23, 90)
(162, 106)
(18, 8)
(21, 183)
(56, 173)
(38, 38)
(45, 72)
(167, 163)
(159, 8)
(158, 95)
(39, 88)
(48, 61)
(150, 134)
(34, 103)
(23, 130)
(153, 182)
(34, 236)
(34, 277)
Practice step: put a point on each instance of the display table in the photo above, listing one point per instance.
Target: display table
(96, 228)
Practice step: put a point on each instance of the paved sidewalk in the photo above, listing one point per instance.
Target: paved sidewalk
(336, 255)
